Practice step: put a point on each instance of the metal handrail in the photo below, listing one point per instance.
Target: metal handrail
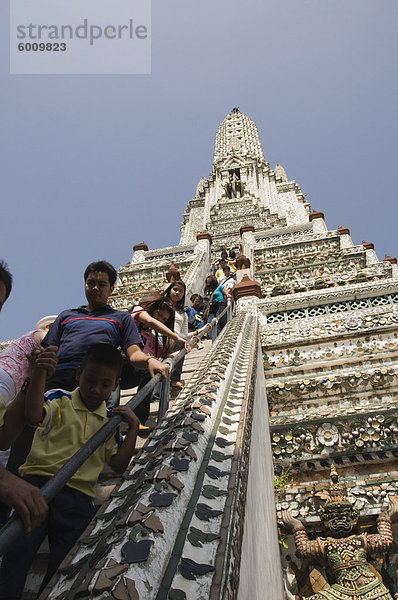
(13, 528)
(227, 310)
(212, 326)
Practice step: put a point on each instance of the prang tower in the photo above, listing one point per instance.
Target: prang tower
(241, 189)
(303, 376)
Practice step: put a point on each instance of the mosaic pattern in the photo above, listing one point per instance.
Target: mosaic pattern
(305, 324)
(317, 438)
(363, 347)
(331, 385)
(225, 476)
(326, 275)
(192, 452)
(329, 296)
(225, 213)
(279, 256)
(337, 307)
(369, 494)
(288, 237)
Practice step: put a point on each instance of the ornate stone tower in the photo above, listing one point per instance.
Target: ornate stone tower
(313, 362)
(241, 189)
(328, 322)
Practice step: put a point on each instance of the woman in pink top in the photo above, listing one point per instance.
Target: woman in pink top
(153, 316)
(176, 293)
(14, 364)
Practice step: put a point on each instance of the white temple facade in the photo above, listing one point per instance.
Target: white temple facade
(304, 376)
(241, 188)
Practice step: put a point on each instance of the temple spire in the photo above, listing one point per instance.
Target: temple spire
(237, 135)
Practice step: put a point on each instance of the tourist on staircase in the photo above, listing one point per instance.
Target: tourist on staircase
(14, 365)
(196, 320)
(232, 261)
(217, 301)
(226, 282)
(65, 421)
(210, 286)
(24, 497)
(153, 316)
(220, 271)
(195, 313)
(76, 329)
(176, 293)
(227, 279)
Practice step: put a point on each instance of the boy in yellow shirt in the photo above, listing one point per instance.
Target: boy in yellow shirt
(65, 421)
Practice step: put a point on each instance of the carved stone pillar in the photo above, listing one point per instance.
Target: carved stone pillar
(139, 253)
(247, 287)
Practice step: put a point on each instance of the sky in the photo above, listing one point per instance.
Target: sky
(93, 164)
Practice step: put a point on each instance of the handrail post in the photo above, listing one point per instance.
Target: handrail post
(214, 330)
(229, 309)
(164, 395)
(114, 399)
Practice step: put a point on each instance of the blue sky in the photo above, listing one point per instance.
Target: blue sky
(93, 164)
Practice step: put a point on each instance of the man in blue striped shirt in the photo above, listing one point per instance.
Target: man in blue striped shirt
(76, 329)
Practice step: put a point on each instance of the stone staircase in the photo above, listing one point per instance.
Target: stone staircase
(108, 479)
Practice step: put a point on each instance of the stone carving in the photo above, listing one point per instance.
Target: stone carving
(352, 432)
(345, 552)
(331, 295)
(368, 346)
(287, 237)
(225, 215)
(296, 254)
(369, 315)
(331, 258)
(317, 276)
(237, 127)
(234, 186)
(173, 274)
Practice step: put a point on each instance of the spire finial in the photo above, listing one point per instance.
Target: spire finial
(237, 137)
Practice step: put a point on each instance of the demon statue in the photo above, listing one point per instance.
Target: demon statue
(345, 553)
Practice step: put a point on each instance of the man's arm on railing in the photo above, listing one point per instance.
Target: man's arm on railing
(140, 360)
